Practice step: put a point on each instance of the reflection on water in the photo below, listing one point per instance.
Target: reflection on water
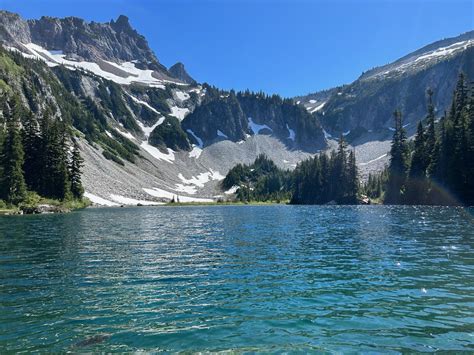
(263, 278)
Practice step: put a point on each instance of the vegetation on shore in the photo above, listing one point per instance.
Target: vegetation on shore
(40, 162)
(323, 179)
(438, 167)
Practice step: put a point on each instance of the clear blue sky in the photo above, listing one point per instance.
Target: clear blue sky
(288, 47)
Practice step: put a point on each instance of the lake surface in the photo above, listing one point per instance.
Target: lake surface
(244, 278)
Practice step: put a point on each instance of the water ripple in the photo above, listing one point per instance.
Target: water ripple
(263, 278)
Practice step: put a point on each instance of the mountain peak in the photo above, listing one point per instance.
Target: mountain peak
(122, 23)
(179, 72)
(114, 41)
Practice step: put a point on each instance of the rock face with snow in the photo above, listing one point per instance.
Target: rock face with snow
(148, 135)
(236, 116)
(115, 41)
(365, 107)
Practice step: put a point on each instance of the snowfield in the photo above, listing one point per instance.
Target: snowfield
(160, 193)
(255, 127)
(124, 73)
(157, 154)
(96, 200)
(179, 112)
(220, 134)
(199, 140)
(292, 134)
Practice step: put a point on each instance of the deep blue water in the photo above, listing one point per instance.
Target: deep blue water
(244, 278)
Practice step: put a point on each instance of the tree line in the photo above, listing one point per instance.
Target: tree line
(319, 180)
(327, 178)
(437, 168)
(37, 154)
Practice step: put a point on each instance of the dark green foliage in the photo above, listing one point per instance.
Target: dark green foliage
(441, 170)
(323, 179)
(37, 158)
(228, 112)
(156, 97)
(417, 183)
(218, 112)
(375, 185)
(111, 156)
(32, 144)
(169, 134)
(317, 180)
(12, 181)
(397, 169)
(55, 175)
(113, 100)
(260, 181)
(75, 169)
(120, 146)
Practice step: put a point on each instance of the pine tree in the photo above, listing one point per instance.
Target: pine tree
(32, 149)
(470, 153)
(352, 181)
(417, 186)
(12, 181)
(430, 140)
(398, 163)
(75, 167)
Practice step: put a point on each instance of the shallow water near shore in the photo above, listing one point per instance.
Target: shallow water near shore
(244, 278)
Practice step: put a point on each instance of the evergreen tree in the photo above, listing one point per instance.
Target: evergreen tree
(75, 167)
(398, 163)
(59, 186)
(12, 181)
(32, 149)
(430, 140)
(417, 186)
(352, 179)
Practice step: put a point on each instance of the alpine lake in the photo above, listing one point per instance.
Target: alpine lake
(327, 279)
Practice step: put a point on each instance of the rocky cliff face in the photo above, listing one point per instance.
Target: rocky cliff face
(114, 41)
(236, 116)
(364, 108)
(147, 134)
(180, 73)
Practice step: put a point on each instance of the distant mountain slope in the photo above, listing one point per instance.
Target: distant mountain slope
(365, 107)
(142, 127)
(75, 40)
(236, 116)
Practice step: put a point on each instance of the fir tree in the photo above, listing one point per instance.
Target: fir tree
(12, 181)
(417, 186)
(75, 167)
(398, 163)
(352, 178)
(32, 148)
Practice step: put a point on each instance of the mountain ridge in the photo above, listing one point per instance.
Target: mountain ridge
(149, 133)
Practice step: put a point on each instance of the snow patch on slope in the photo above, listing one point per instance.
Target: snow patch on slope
(131, 201)
(292, 134)
(317, 108)
(202, 178)
(96, 200)
(160, 193)
(125, 134)
(220, 134)
(181, 95)
(157, 154)
(198, 140)
(144, 104)
(255, 127)
(179, 112)
(131, 74)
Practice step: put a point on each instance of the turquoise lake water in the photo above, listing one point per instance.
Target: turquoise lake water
(244, 278)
